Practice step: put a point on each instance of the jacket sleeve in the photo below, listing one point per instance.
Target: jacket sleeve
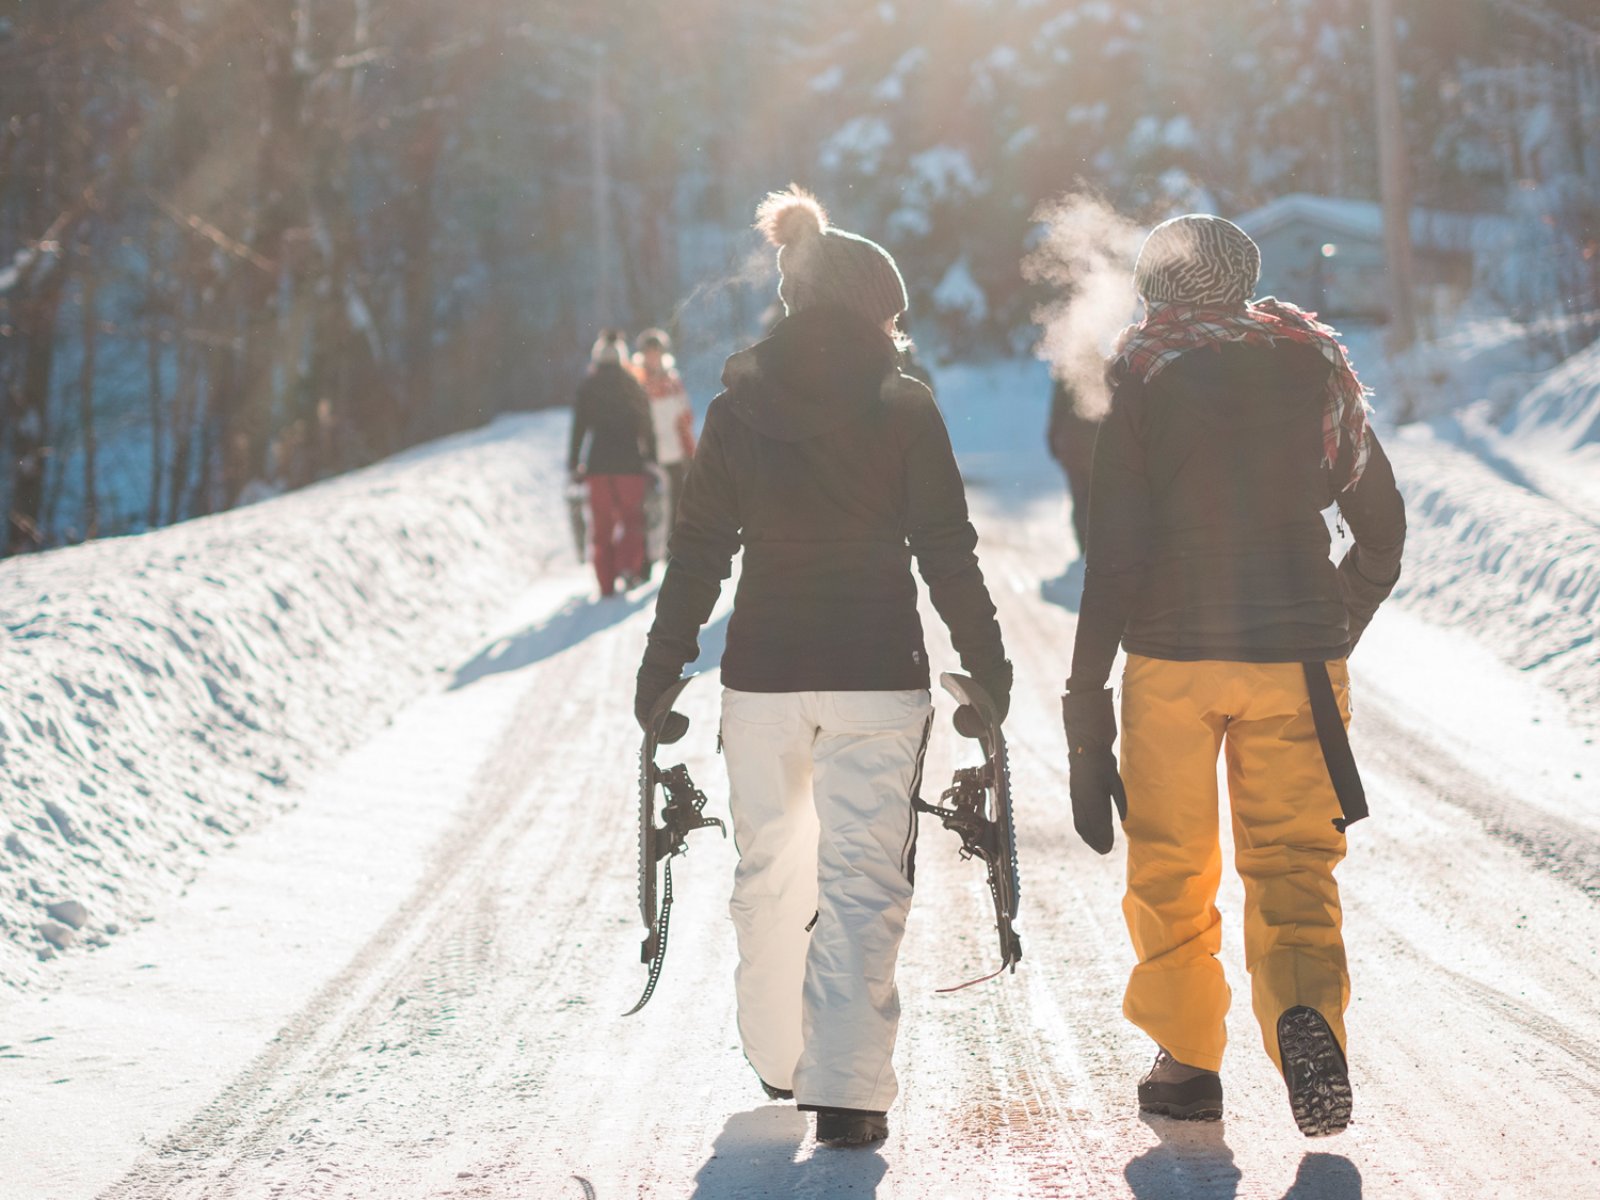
(639, 401)
(945, 544)
(1377, 517)
(700, 555)
(1053, 432)
(684, 422)
(580, 429)
(1119, 541)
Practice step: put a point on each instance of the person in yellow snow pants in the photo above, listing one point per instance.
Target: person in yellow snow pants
(1176, 718)
(1234, 424)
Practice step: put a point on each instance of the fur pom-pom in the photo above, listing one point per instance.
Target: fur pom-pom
(791, 216)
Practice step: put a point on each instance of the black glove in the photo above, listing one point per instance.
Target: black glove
(1091, 725)
(650, 686)
(996, 682)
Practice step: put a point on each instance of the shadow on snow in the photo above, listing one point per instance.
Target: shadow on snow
(1194, 1162)
(754, 1155)
(578, 619)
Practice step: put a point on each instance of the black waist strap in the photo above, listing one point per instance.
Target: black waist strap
(1335, 746)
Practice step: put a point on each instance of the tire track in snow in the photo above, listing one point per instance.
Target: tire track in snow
(1549, 842)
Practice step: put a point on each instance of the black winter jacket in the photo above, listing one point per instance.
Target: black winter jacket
(833, 471)
(1206, 534)
(613, 412)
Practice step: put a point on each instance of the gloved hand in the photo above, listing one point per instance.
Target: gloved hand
(997, 682)
(651, 685)
(1091, 725)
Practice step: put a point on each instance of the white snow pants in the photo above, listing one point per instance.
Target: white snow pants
(821, 786)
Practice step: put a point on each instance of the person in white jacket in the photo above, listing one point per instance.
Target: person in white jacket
(669, 409)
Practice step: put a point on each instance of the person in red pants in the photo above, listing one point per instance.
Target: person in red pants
(613, 446)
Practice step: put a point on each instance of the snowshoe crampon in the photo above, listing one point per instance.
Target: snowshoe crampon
(681, 814)
(977, 807)
(577, 498)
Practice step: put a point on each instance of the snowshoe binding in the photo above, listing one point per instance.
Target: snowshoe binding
(977, 807)
(680, 815)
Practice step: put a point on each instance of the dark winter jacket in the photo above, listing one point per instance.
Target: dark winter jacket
(613, 413)
(832, 471)
(1070, 434)
(1206, 534)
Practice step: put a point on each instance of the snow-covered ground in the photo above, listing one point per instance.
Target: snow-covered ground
(161, 694)
(407, 983)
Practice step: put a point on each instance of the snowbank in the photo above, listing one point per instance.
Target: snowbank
(160, 693)
(1502, 561)
(1504, 538)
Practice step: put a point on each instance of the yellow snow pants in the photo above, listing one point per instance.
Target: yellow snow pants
(1176, 718)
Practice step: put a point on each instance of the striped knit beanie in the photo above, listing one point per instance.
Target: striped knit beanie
(1198, 260)
(818, 264)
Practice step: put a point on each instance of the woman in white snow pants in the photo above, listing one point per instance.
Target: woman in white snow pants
(821, 786)
(831, 473)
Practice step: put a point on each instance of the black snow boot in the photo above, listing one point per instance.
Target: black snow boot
(774, 1093)
(1174, 1089)
(1315, 1070)
(850, 1126)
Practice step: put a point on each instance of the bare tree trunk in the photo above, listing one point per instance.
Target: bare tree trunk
(600, 184)
(157, 402)
(90, 333)
(185, 392)
(248, 406)
(1392, 170)
(417, 228)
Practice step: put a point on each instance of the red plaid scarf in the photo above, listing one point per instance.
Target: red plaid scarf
(1171, 330)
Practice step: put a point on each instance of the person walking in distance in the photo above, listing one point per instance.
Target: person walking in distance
(612, 447)
(833, 471)
(1233, 425)
(670, 414)
(1070, 438)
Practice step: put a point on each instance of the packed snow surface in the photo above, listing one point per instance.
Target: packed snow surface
(408, 983)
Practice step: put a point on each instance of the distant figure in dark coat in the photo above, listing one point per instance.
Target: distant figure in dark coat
(1071, 440)
(613, 447)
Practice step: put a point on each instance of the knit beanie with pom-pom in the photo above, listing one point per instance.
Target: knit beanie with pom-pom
(819, 264)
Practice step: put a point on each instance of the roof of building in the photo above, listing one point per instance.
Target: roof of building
(1432, 230)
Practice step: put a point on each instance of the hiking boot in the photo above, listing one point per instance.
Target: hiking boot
(774, 1093)
(851, 1126)
(1315, 1070)
(1174, 1089)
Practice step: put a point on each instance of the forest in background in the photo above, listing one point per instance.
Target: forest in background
(247, 244)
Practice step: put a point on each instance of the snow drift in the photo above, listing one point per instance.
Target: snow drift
(1503, 562)
(160, 693)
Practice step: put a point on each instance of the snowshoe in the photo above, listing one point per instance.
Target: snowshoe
(680, 815)
(977, 807)
(577, 497)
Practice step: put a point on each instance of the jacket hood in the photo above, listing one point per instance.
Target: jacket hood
(820, 370)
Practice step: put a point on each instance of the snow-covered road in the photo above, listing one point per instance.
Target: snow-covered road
(410, 986)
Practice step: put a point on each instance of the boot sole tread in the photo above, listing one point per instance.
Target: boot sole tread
(1314, 1069)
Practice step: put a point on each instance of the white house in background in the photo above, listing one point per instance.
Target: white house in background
(1326, 253)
